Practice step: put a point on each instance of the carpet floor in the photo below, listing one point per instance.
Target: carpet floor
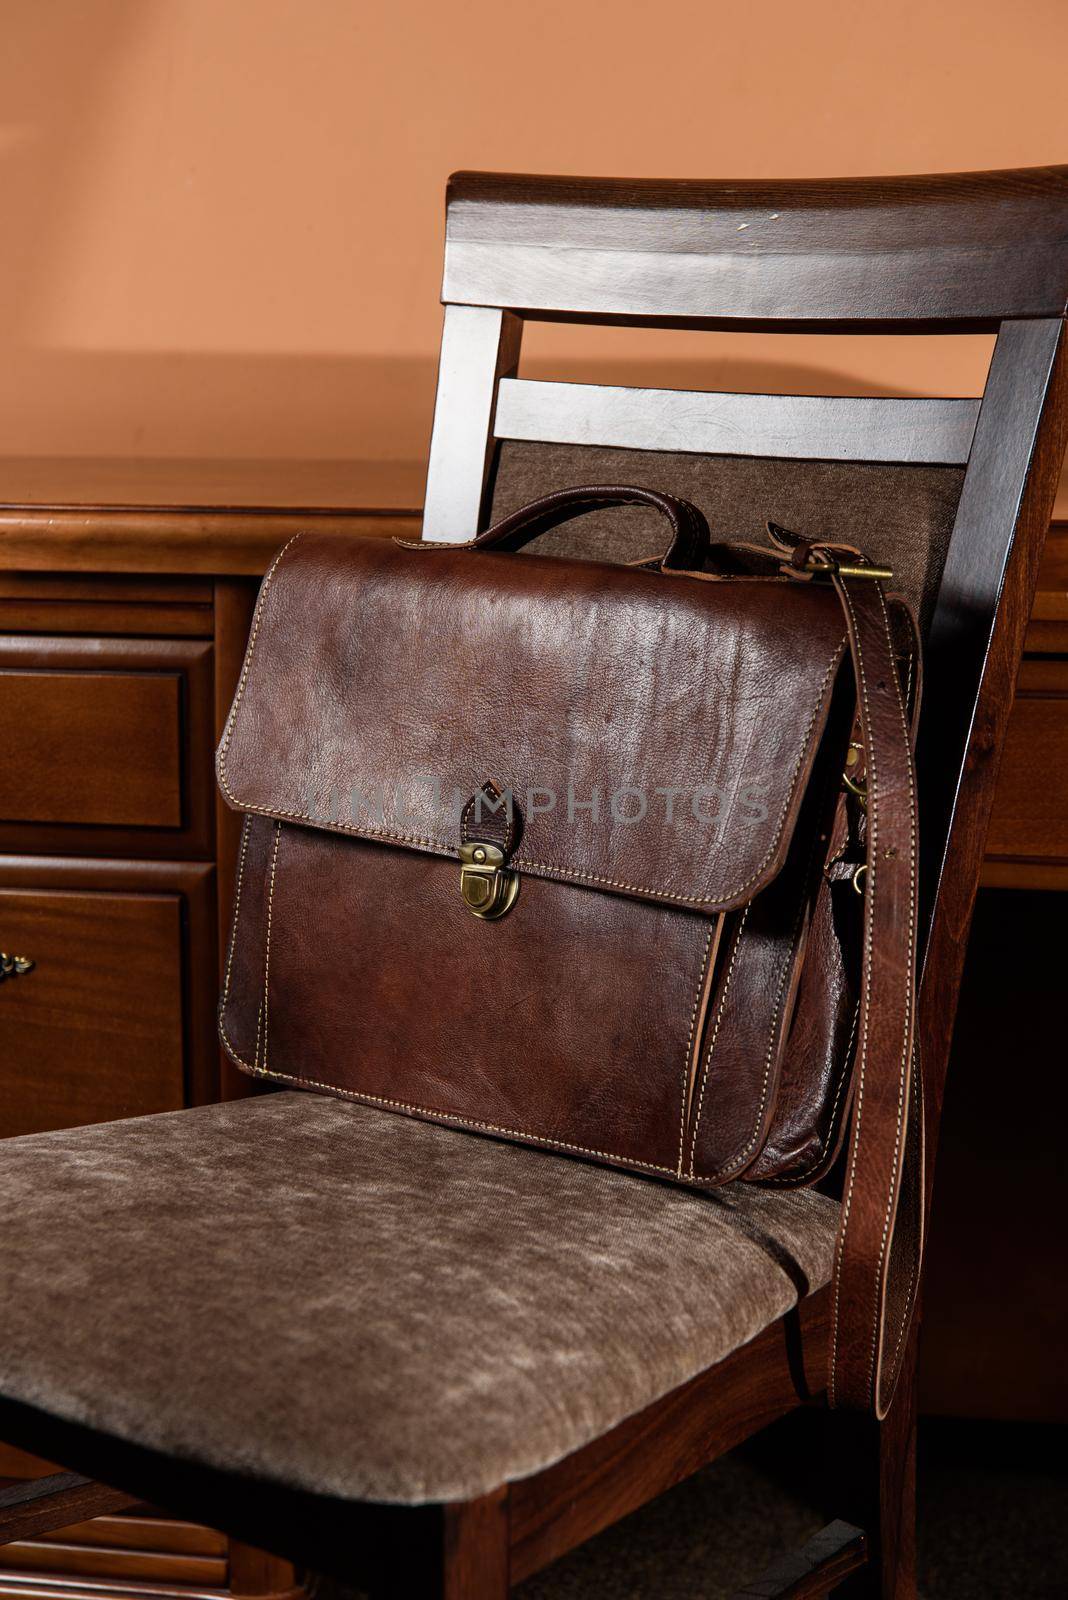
(992, 1510)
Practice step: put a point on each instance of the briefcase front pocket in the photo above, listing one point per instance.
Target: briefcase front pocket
(571, 1023)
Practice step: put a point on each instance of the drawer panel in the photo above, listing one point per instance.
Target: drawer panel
(107, 745)
(91, 747)
(141, 1532)
(103, 1561)
(1030, 818)
(95, 1030)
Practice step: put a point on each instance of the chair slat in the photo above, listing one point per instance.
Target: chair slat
(804, 427)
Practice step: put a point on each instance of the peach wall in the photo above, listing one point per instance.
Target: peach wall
(222, 219)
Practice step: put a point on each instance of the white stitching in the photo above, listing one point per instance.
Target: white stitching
(873, 825)
(245, 830)
(427, 1110)
(689, 1045)
(441, 844)
(914, 1272)
(773, 1031)
(267, 948)
(715, 1031)
(873, 821)
(442, 1116)
(902, 1106)
(798, 1179)
(551, 868)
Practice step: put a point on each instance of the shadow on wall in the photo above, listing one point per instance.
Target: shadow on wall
(304, 407)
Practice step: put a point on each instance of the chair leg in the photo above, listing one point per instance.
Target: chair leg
(446, 1552)
(475, 1554)
(875, 1473)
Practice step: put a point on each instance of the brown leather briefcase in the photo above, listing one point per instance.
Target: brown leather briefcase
(615, 860)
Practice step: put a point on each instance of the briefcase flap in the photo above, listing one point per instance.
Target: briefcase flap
(654, 732)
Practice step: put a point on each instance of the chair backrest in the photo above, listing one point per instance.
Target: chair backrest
(956, 493)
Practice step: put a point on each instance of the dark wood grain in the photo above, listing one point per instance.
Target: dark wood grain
(116, 1018)
(952, 249)
(89, 742)
(989, 512)
(872, 1483)
(185, 518)
(475, 1557)
(237, 542)
(103, 1002)
(254, 1572)
(43, 1503)
(995, 1316)
(976, 645)
(159, 1534)
(50, 602)
(108, 743)
(99, 1562)
(1029, 820)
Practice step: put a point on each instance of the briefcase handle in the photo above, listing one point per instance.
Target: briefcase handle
(689, 531)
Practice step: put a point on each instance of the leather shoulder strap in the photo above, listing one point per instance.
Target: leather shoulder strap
(880, 1238)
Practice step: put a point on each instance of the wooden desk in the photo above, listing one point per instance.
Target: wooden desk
(125, 597)
(1027, 846)
(126, 591)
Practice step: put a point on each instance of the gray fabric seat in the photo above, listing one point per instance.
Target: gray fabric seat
(345, 1301)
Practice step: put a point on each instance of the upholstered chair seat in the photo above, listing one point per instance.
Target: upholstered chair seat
(336, 1299)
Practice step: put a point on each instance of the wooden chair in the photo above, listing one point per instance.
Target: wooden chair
(957, 493)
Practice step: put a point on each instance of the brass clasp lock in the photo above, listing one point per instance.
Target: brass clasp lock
(487, 889)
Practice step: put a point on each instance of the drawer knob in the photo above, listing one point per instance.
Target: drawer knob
(14, 966)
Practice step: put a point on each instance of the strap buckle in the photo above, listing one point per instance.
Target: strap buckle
(823, 561)
(820, 558)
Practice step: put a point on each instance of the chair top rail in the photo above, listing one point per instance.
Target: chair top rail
(953, 251)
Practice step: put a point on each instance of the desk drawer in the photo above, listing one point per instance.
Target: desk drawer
(1030, 819)
(95, 1030)
(108, 736)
